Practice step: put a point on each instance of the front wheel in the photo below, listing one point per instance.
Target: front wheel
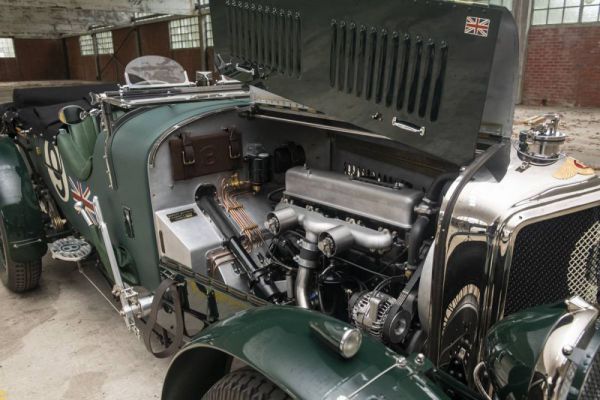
(17, 277)
(245, 384)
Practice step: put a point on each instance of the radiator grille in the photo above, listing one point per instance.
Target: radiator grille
(555, 259)
(402, 71)
(269, 36)
(591, 385)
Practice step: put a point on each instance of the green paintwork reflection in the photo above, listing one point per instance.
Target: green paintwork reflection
(278, 342)
(19, 207)
(513, 346)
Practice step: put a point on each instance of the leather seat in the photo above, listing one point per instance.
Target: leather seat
(76, 147)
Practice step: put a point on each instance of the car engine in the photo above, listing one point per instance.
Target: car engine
(349, 243)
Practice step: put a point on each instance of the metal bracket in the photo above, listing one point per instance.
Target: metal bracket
(132, 305)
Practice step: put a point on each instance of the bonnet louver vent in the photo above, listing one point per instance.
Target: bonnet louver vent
(269, 36)
(404, 72)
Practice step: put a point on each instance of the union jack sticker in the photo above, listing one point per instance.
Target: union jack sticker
(477, 26)
(81, 192)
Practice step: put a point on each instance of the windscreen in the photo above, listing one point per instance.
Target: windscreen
(153, 71)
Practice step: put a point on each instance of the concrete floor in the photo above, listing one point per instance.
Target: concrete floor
(64, 341)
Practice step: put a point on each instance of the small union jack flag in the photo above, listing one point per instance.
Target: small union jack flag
(82, 193)
(477, 26)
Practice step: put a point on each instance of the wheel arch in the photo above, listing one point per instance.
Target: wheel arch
(182, 380)
(277, 342)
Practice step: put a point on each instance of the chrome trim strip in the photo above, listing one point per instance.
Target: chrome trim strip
(442, 252)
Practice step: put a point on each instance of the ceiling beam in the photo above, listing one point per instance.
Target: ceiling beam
(59, 18)
(55, 22)
(183, 7)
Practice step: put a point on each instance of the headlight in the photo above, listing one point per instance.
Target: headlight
(548, 352)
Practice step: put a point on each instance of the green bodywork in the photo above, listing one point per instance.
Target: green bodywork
(19, 207)
(133, 138)
(515, 344)
(278, 342)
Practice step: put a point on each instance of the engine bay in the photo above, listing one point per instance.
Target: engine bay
(301, 220)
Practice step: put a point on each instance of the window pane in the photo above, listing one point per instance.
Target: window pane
(539, 17)
(207, 30)
(537, 4)
(86, 45)
(557, 3)
(590, 2)
(573, 3)
(555, 16)
(7, 48)
(184, 33)
(105, 42)
(571, 15)
(590, 14)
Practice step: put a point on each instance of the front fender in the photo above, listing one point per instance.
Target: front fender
(19, 208)
(278, 342)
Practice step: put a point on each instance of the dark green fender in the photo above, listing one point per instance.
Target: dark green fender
(514, 345)
(19, 207)
(278, 342)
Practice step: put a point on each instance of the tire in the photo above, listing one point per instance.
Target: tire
(245, 384)
(17, 277)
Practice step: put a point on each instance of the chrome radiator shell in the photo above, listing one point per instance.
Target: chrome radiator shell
(493, 213)
(389, 206)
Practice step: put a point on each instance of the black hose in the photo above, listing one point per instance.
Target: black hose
(205, 198)
(415, 239)
(417, 232)
(434, 192)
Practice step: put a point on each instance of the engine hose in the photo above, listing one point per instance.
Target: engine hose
(177, 340)
(415, 239)
(435, 189)
(417, 232)
(205, 198)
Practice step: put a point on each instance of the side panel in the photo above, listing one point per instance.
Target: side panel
(130, 149)
(279, 343)
(19, 207)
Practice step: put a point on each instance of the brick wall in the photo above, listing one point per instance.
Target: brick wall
(563, 66)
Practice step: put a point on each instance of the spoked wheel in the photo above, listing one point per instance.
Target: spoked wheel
(245, 384)
(18, 277)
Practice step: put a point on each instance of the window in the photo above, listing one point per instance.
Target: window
(547, 12)
(7, 48)
(184, 33)
(104, 41)
(207, 31)
(86, 45)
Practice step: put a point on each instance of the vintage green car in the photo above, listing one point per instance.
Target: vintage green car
(372, 234)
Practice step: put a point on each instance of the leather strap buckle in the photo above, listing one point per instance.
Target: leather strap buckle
(187, 154)
(186, 161)
(234, 142)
